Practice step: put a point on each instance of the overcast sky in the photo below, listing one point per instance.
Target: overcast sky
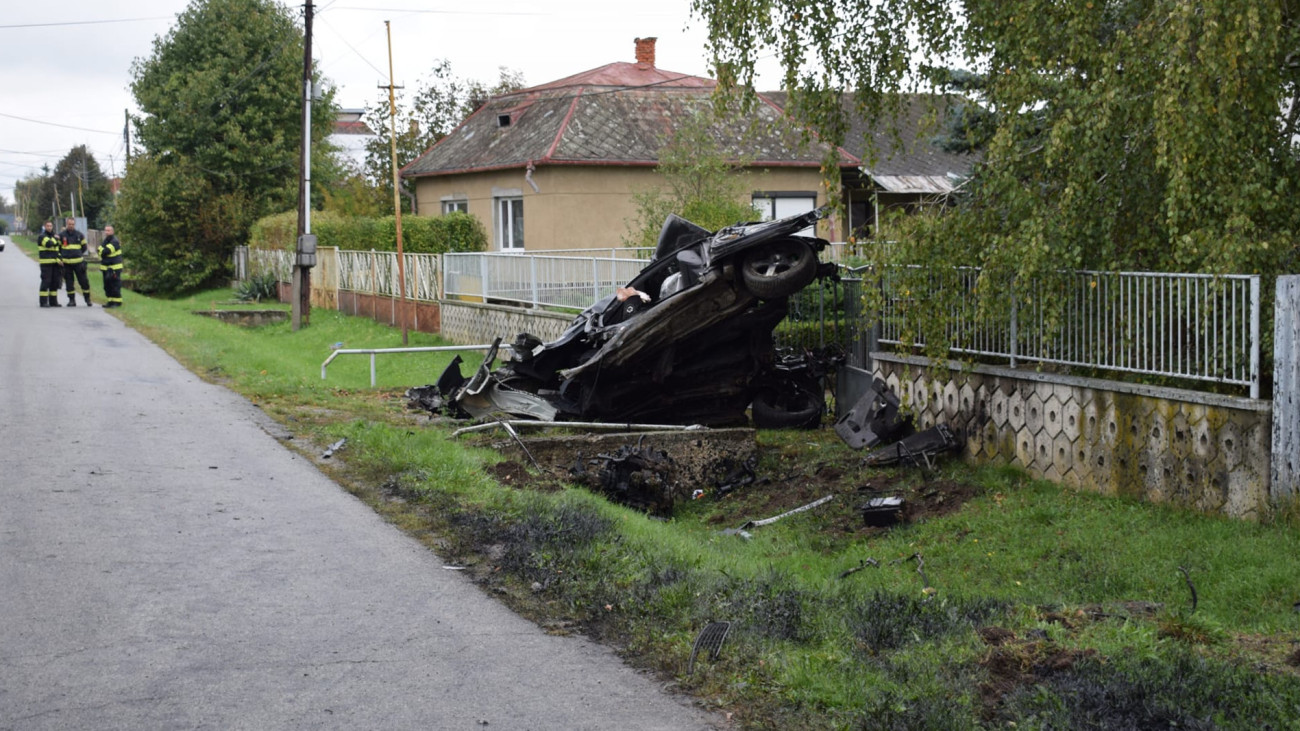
(67, 62)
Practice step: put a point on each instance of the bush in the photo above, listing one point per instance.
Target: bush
(258, 287)
(452, 232)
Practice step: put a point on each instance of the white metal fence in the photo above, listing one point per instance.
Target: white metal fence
(1187, 326)
(569, 282)
(1192, 326)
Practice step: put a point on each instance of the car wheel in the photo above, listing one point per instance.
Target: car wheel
(778, 269)
(793, 408)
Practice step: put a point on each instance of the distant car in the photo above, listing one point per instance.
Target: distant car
(4, 240)
(688, 341)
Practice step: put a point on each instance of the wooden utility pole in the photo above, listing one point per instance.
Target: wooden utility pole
(305, 252)
(397, 200)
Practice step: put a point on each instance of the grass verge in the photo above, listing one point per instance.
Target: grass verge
(1009, 601)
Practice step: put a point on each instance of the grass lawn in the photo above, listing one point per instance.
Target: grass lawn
(1005, 602)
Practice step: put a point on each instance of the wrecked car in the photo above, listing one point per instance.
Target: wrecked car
(687, 341)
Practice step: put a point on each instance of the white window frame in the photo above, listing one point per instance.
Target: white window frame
(454, 204)
(771, 205)
(505, 210)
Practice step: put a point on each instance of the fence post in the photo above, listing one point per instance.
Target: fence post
(1014, 347)
(595, 281)
(532, 274)
(1254, 336)
(1285, 473)
(483, 275)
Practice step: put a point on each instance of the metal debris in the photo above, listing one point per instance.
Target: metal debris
(861, 565)
(873, 419)
(917, 450)
(710, 639)
(773, 519)
(336, 446)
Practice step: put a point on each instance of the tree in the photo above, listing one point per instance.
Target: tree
(435, 109)
(1148, 134)
(79, 179)
(701, 183)
(221, 124)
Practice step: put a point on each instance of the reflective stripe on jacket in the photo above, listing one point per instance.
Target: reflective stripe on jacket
(47, 248)
(73, 247)
(110, 254)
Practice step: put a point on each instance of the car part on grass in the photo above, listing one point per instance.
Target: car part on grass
(639, 477)
(336, 446)
(861, 565)
(873, 419)
(709, 640)
(786, 514)
(882, 511)
(918, 450)
(587, 425)
(688, 340)
(738, 474)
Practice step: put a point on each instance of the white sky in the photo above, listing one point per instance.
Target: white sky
(75, 71)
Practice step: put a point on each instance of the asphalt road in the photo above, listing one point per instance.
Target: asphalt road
(166, 563)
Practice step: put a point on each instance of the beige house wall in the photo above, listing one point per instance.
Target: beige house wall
(578, 207)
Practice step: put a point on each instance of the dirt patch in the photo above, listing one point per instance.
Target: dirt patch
(1012, 663)
(515, 474)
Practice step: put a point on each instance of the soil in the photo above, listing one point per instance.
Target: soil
(785, 478)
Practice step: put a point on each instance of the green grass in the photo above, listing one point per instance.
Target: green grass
(876, 649)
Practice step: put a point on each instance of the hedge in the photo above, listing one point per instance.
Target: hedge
(451, 232)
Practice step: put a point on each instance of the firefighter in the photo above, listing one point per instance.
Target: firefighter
(110, 263)
(47, 250)
(72, 254)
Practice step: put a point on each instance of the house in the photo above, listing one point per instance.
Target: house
(557, 166)
(350, 135)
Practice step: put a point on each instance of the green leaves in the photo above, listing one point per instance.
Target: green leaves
(221, 126)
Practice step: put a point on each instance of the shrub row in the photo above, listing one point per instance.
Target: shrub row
(452, 232)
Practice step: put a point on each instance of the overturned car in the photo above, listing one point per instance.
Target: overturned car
(687, 341)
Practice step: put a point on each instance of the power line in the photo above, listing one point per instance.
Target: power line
(85, 22)
(436, 12)
(56, 124)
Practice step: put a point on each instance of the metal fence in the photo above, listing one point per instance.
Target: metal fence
(1187, 326)
(567, 282)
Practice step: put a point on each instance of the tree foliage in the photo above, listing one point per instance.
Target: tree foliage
(76, 186)
(221, 129)
(1120, 134)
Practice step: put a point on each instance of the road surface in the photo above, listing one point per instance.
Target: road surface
(166, 563)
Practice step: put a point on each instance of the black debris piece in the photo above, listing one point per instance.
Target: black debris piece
(882, 511)
(873, 419)
(639, 477)
(709, 640)
(737, 474)
(918, 450)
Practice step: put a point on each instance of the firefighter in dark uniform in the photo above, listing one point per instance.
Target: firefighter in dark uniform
(72, 254)
(47, 254)
(110, 263)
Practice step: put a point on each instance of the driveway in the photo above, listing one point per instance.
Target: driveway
(165, 562)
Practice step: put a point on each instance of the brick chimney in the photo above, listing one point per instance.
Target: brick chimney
(645, 51)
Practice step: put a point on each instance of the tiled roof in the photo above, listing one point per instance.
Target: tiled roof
(618, 114)
(623, 113)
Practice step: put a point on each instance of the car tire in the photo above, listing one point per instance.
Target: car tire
(778, 269)
(796, 408)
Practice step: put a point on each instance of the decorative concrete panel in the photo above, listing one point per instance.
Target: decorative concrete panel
(1199, 451)
(472, 323)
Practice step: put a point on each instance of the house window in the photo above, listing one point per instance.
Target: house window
(774, 205)
(510, 224)
(453, 205)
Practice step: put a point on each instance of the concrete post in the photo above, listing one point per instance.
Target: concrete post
(1285, 473)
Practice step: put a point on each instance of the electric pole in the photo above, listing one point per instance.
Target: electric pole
(397, 201)
(305, 257)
